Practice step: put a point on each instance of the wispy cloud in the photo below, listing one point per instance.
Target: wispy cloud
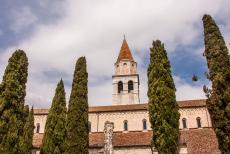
(22, 18)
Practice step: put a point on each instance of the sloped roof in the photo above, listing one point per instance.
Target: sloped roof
(198, 141)
(125, 52)
(132, 107)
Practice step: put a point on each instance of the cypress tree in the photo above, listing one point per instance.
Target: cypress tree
(12, 98)
(77, 116)
(218, 62)
(28, 131)
(26, 112)
(163, 108)
(55, 131)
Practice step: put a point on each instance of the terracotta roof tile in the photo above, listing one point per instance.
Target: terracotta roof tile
(192, 103)
(131, 139)
(96, 139)
(41, 111)
(117, 108)
(37, 140)
(198, 141)
(125, 52)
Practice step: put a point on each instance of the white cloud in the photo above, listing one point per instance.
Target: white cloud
(22, 18)
(95, 28)
(188, 91)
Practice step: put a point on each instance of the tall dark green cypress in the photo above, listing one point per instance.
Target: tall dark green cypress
(55, 130)
(77, 116)
(26, 144)
(218, 102)
(163, 108)
(12, 98)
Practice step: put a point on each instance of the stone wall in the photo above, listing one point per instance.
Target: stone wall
(133, 150)
(125, 67)
(41, 121)
(125, 97)
(191, 114)
(134, 119)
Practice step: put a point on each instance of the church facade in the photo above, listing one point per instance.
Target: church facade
(124, 128)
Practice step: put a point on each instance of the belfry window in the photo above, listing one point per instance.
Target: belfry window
(120, 86)
(130, 86)
(37, 127)
(198, 120)
(125, 125)
(184, 122)
(144, 124)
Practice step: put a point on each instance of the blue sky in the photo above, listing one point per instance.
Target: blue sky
(55, 33)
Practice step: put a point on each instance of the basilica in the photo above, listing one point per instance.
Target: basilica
(124, 128)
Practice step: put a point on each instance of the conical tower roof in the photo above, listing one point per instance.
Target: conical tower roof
(125, 52)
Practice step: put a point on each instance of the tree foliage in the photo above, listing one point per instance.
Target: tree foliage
(77, 116)
(28, 131)
(218, 62)
(12, 98)
(163, 108)
(55, 130)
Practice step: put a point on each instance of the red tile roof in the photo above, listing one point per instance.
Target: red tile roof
(118, 108)
(37, 140)
(133, 107)
(198, 141)
(125, 52)
(192, 103)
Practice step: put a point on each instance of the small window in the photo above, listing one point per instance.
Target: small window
(120, 86)
(130, 86)
(125, 64)
(144, 124)
(184, 122)
(89, 126)
(198, 120)
(125, 125)
(117, 65)
(37, 127)
(132, 64)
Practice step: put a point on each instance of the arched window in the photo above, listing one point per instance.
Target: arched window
(184, 122)
(198, 120)
(120, 86)
(130, 86)
(125, 125)
(89, 126)
(144, 122)
(37, 127)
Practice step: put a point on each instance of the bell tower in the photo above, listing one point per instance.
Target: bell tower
(125, 78)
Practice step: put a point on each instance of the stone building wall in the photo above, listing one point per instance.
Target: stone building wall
(39, 121)
(191, 115)
(125, 97)
(134, 119)
(125, 67)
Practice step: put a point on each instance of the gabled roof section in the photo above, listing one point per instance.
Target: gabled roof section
(132, 107)
(202, 141)
(125, 52)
